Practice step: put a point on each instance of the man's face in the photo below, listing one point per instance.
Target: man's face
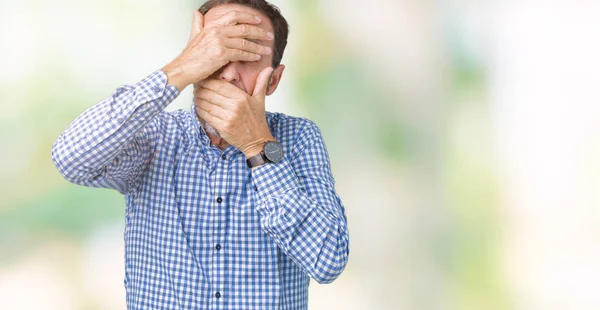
(244, 74)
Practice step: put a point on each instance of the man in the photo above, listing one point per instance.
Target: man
(227, 206)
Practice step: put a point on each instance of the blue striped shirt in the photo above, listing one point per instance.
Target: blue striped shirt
(202, 230)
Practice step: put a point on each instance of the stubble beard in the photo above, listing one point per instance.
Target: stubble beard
(209, 128)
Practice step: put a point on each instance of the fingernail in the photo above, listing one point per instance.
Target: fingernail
(257, 57)
(270, 35)
(257, 19)
(268, 50)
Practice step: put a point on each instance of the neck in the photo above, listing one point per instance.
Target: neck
(217, 141)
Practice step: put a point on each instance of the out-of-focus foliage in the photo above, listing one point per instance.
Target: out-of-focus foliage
(431, 112)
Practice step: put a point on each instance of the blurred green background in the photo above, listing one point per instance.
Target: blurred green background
(464, 138)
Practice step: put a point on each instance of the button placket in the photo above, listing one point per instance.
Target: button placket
(220, 210)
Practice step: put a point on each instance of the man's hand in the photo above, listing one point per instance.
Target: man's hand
(212, 46)
(239, 117)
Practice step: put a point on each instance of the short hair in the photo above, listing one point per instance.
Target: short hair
(280, 25)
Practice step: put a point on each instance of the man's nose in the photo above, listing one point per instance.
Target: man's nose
(229, 73)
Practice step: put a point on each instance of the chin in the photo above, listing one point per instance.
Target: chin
(209, 128)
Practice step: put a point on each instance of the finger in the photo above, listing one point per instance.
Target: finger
(213, 97)
(239, 55)
(224, 88)
(197, 23)
(210, 119)
(245, 45)
(247, 32)
(262, 83)
(212, 109)
(237, 17)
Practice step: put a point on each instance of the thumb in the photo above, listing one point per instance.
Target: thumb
(262, 83)
(197, 23)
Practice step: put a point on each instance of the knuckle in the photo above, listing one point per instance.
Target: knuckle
(239, 56)
(241, 106)
(240, 102)
(233, 14)
(244, 29)
(220, 51)
(255, 48)
(235, 109)
(248, 57)
(213, 32)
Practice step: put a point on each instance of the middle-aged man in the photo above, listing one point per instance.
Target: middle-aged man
(227, 206)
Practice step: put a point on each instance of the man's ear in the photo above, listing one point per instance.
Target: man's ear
(275, 79)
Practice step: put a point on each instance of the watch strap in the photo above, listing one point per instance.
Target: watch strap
(257, 160)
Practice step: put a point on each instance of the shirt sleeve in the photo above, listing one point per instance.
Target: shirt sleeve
(109, 144)
(301, 211)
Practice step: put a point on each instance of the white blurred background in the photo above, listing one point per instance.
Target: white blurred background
(464, 137)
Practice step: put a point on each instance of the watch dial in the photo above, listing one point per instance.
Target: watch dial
(273, 152)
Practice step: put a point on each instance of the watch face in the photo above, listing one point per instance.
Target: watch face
(273, 151)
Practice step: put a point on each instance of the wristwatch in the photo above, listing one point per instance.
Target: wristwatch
(272, 153)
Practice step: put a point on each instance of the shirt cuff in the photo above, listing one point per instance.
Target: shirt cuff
(155, 87)
(272, 180)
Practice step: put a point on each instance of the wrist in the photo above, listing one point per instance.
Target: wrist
(253, 152)
(175, 76)
(272, 153)
(256, 147)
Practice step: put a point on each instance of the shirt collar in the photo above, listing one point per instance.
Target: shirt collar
(200, 132)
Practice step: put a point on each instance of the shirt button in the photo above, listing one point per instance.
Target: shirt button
(218, 295)
(219, 200)
(156, 89)
(218, 247)
(224, 156)
(255, 188)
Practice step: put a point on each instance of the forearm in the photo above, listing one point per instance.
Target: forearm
(310, 230)
(100, 133)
